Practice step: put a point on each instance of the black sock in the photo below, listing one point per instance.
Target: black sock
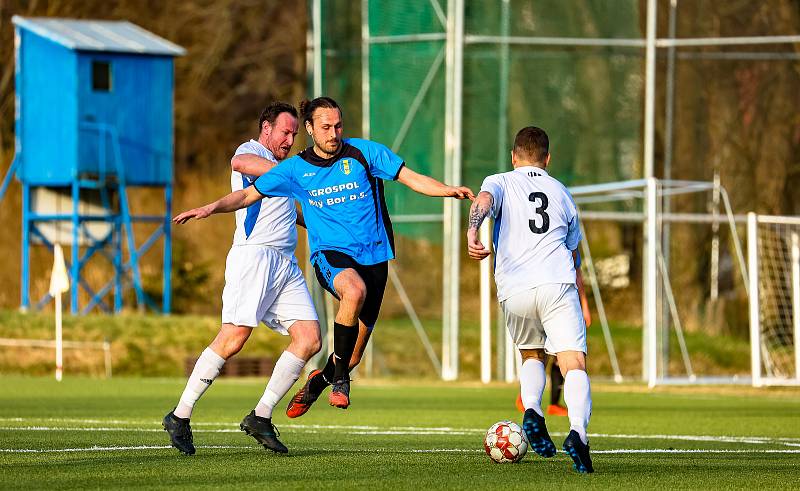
(556, 383)
(344, 342)
(319, 383)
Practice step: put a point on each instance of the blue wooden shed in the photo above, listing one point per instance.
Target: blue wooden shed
(94, 119)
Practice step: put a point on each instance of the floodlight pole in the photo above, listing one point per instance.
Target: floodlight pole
(452, 173)
(316, 23)
(666, 205)
(649, 297)
(369, 355)
(650, 361)
(503, 338)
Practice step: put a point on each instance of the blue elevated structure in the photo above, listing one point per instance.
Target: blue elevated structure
(94, 121)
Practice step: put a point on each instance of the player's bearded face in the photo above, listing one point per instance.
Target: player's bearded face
(326, 129)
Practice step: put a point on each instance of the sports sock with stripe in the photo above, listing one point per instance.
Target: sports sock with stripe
(578, 396)
(284, 375)
(205, 371)
(531, 382)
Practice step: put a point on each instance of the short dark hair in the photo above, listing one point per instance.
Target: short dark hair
(273, 110)
(531, 143)
(307, 107)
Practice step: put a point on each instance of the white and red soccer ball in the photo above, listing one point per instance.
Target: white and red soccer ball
(505, 442)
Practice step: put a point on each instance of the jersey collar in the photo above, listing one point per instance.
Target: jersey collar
(532, 168)
(310, 156)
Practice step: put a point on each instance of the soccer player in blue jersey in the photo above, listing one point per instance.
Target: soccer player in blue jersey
(339, 184)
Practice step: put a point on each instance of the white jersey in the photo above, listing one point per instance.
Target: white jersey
(535, 230)
(269, 222)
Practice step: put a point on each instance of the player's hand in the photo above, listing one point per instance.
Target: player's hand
(475, 248)
(587, 316)
(196, 213)
(461, 192)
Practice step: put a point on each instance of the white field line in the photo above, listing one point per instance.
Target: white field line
(366, 430)
(393, 451)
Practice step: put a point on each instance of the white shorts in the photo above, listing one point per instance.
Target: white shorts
(264, 285)
(548, 316)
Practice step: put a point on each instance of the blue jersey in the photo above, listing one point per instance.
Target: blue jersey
(342, 197)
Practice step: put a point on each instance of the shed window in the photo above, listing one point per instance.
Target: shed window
(101, 76)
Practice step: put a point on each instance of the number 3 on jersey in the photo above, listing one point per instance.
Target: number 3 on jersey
(540, 210)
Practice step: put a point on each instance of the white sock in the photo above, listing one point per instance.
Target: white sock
(205, 371)
(531, 381)
(578, 396)
(286, 372)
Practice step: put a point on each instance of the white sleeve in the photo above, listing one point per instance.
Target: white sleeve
(493, 185)
(248, 148)
(574, 225)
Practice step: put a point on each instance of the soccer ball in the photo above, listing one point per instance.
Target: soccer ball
(505, 442)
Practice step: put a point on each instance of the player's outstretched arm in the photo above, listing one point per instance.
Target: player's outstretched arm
(480, 208)
(251, 164)
(232, 202)
(431, 187)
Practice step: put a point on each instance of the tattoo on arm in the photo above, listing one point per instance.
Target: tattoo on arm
(479, 209)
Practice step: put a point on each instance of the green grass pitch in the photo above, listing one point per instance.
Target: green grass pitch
(89, 433)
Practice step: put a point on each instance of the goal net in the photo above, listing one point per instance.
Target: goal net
(774, 256)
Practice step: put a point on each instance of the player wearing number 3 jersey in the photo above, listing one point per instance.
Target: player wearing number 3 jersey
(536, 236)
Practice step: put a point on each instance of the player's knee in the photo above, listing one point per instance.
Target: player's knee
(227, 345)
(354, 293)
(306, 340)
(571, 360)
(312, 344)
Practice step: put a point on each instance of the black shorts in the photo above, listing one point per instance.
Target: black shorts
(327, 264)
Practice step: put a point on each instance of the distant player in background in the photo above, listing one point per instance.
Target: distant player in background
(536, 240)
(263, 283)
(339, 184)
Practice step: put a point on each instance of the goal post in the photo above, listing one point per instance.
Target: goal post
(680, 320)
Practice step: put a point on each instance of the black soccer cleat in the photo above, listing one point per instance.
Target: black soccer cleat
(180, 433)
(579, 452)
(263, 431)
(538, 437)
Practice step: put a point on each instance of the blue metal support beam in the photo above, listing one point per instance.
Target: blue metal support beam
(7, 179)
(74, 270)
(166, 296)
(25, 281)
(81, 282)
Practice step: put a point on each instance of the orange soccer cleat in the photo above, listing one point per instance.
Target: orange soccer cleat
(556, 410)
(305, 397)
(520, 406)
(340, 394)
